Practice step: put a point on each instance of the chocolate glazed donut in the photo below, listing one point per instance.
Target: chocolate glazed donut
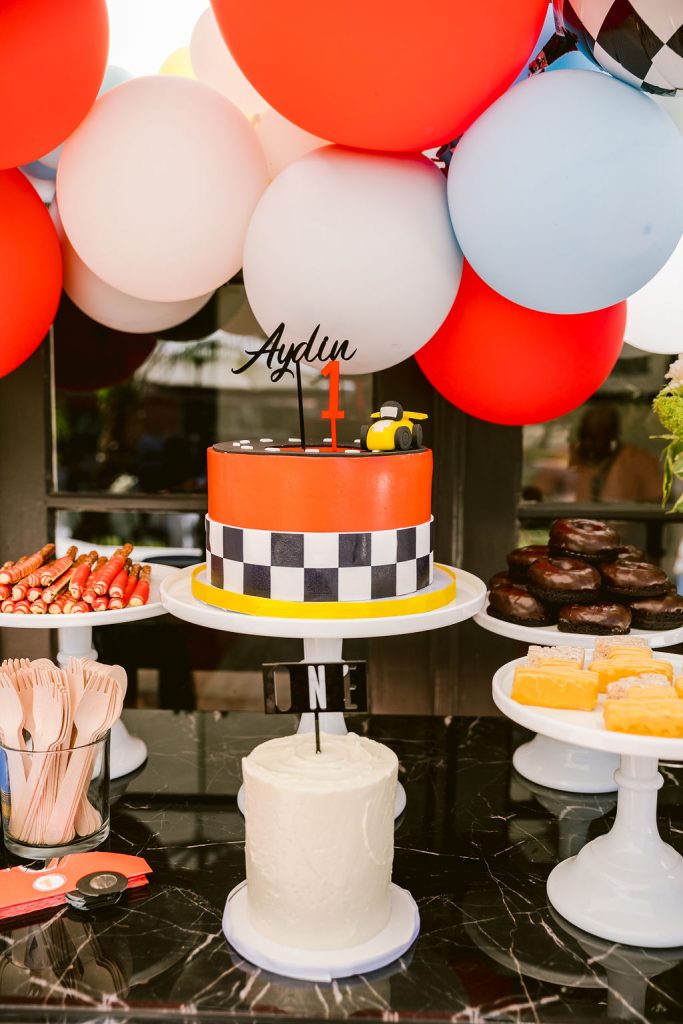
(583, 538)
(596, 619)
(515, 604)
(658, 612)
(564, 581)
(633, 580)
(520, 559)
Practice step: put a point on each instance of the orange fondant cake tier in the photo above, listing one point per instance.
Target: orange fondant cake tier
(259, 486)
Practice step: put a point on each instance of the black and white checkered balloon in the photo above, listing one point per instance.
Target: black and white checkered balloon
(638, 41)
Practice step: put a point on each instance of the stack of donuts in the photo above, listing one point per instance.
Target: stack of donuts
(584, 581)
(40, 584)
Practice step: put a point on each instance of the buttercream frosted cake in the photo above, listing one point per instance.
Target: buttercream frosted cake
(319, 839)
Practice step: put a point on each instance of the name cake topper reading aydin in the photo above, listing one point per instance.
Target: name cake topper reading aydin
(281, 356)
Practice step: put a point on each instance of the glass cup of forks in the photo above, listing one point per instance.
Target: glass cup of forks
(55, 802)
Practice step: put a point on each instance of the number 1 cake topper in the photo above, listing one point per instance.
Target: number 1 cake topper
(314, 687)
(285, 356)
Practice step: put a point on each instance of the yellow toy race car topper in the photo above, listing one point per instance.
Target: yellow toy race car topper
(394, 430)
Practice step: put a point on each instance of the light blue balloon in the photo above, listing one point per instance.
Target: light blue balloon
(566, 195)
(575, 61)
(39, 170)
(547, 32)
(114, 75)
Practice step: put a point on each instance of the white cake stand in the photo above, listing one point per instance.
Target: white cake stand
(546, 761)
(323, 638)
(75, 641)
(322, 965)
(626, 886)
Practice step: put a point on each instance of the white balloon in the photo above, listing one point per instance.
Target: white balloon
(359, 243)
(156, 188)
(654, 318)
(214, 65)
(110, 307)
(283, 142)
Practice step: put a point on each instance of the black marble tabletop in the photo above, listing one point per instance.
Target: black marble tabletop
(474, 846)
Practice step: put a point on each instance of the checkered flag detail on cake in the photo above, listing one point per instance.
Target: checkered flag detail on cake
(320, 566)
(638, 41)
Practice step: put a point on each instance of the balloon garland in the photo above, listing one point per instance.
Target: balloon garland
(162, 182)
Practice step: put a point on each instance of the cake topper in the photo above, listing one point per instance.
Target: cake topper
(285, 356)
(315, 687)
(394, 429)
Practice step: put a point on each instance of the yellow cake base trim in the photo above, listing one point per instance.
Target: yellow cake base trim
(412, 604)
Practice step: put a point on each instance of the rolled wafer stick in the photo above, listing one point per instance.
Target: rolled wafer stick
(52, 572)
(26, 565)
(80, 576)
(108, 573)
(88, 594)
(132, 583)
(7, 606)
(60, 584)
(31, 594)
(37, 607)
(5, 588)
(141, 592)
(118, 587)
(20, 590)
(22, 607)
(100, 603)
(80, 608)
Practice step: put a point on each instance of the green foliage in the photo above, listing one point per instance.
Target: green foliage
(668, 405)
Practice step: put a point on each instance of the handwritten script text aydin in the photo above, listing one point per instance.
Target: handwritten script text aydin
(283, 356)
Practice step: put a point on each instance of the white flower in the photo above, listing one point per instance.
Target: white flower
(675, 373)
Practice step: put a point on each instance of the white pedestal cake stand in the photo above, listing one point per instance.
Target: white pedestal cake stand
(559, 765)
(75, 641)
(323, 638)
(626, 886)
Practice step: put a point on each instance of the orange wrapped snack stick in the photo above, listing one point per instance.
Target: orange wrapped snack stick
(38, 607)
(26, 565)
(6, 588)
(118, 587)
(88, 594)
(30, 593)
(7, 606)
(53, 571)
(133, 577)
(80, 577)
(54, 589)
(108, 573)
(22, 607)
(80, 608)
(62, 605)
(141, 593)
(100, 603)
(20, 590)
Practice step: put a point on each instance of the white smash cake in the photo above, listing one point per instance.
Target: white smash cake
(319, 839)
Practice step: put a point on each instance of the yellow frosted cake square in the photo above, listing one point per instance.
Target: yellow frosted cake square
(609, 669)
(557, 686)
(651, 718)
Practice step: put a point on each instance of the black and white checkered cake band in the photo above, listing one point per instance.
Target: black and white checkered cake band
(320, 566)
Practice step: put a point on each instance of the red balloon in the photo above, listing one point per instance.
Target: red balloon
(90, 356)
(384, 74)
(54, 55)
(507, 364)
(30, 270)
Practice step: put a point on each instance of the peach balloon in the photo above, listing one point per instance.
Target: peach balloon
(110, 307)
(282, 141)
(157, 186)
(214, 65)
